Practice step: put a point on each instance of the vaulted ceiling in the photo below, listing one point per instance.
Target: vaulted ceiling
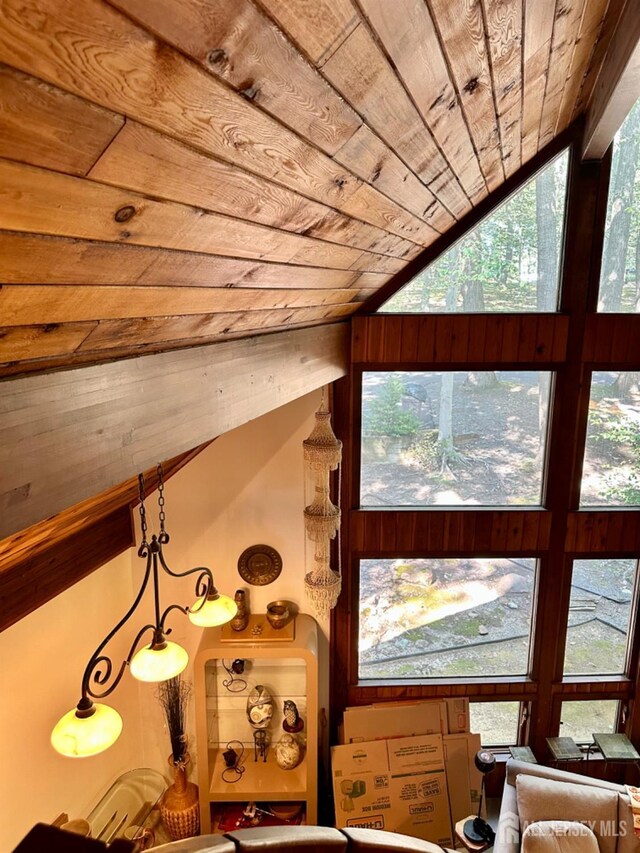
(177, 173)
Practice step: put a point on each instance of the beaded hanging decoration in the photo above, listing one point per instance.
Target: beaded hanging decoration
(322, 454)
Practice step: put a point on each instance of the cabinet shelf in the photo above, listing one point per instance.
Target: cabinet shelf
(289, 670)
(260, 780)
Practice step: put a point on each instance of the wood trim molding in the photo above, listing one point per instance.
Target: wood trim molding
(70, 435)
(617, 88)
(31, 582)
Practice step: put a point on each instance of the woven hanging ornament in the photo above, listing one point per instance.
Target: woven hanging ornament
(323, 589)
(322, 454)
(321, 518)
(322, 450)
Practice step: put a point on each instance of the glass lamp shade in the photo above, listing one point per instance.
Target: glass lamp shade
(151, 664)
(80, 737)
(215, 611)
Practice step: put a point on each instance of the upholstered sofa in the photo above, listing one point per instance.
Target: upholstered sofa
(534, 793)
(306, 839)
(319, 839)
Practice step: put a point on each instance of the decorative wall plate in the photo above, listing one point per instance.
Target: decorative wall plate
(259, 565)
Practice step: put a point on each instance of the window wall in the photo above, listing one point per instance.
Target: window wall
(491, 487)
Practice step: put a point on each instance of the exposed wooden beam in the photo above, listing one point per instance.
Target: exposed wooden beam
(86, 430)
(42, 561)
(617, 88)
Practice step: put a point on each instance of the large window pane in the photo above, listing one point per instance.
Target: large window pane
(496, 722)
(599, 612)
(620, 273)
(445, 618)
(453, 438)
(611, 472)
(509, 262)
(580, 720)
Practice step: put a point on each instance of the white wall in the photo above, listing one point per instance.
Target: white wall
(245, 489)
(42, 659)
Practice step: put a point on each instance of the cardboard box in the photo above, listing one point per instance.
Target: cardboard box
(398, 785)
(457, 715)
(456, 758)
(374, 722)
(361, 785)
(420, 754)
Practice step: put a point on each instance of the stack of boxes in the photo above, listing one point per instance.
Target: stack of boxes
(407, 767)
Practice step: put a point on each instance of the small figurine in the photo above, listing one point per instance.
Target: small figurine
(293, 722)
(259, 707)
(288, 752)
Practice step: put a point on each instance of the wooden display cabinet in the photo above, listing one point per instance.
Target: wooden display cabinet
(289, 670)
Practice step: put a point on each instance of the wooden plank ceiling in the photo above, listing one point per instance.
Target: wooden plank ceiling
(175, 173)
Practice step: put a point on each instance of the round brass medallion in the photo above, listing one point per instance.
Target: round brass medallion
(259, 565)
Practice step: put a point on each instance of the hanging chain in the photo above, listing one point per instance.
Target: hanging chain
(161, 513)
(143, 513)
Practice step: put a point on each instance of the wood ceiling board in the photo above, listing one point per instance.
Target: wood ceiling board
(22, 342)
(618, 86)
(40, 201)
(109, 334)
(590, 26)
(361, 72)
(365, 202)
(251, 376)
(144, 160)
(370, 159)
(44, 126)
(538, 32)
(504, 35)
(615, 8)
(145, 79)
(461, 29)
(84, 358)
(411, 41)
(317, 28)
(566, 27)
(235, 41)
(130, 336)
(36, 259)
(41, 304)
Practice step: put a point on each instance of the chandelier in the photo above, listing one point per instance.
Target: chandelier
(92, 727)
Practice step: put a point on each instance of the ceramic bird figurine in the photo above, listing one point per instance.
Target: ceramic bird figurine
(293, 722)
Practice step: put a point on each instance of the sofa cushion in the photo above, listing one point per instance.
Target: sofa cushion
(543, 799)
(558, 836)
(628, 841)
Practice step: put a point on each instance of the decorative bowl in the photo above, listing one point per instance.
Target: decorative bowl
(278, 614)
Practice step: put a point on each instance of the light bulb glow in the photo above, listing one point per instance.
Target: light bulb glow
(151, 664)
(80, 737)
(215, 611)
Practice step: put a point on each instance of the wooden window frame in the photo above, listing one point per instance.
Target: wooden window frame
(572, 343)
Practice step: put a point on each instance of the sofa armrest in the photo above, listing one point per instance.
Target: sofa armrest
(508, 831)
